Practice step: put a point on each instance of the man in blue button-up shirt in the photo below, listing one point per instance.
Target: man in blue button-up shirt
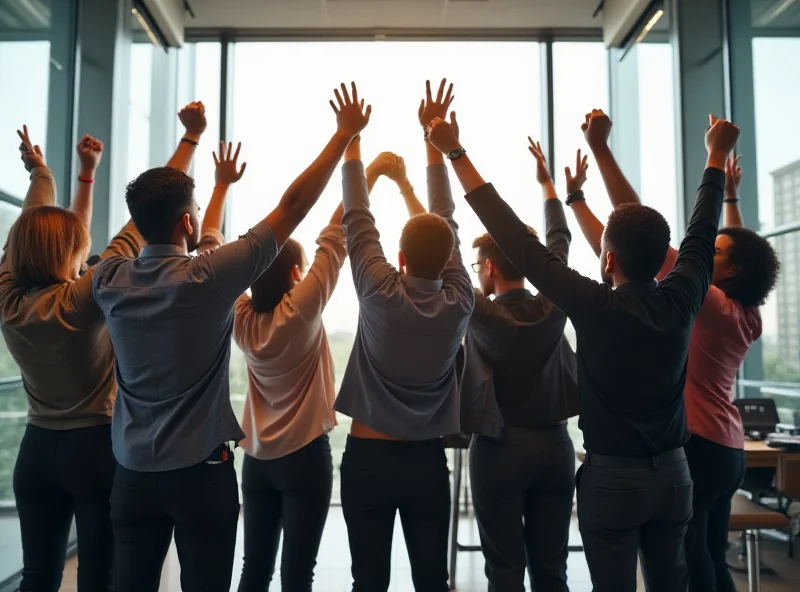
(170, 318)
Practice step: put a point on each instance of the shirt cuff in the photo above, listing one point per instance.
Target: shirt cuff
(212, 237)
(332, 233)
(714, 177)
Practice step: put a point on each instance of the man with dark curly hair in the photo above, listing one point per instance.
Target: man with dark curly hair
(745, 271)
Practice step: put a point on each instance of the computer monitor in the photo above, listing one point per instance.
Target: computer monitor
(759, 416)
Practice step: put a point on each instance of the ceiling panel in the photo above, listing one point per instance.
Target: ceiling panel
(388, 14)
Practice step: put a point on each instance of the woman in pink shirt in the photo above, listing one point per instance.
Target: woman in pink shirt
(745, 271)
(287, 475)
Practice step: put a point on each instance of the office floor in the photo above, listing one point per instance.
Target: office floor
(333, 567)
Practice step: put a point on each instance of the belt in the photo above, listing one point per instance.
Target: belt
(670, 457)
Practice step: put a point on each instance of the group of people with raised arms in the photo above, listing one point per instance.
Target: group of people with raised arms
(125, 364)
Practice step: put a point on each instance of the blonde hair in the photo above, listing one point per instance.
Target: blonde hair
(42, 243)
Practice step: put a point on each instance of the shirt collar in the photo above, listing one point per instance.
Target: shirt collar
(423, 285)
(162, 251)
(638, 287)
(515, 293)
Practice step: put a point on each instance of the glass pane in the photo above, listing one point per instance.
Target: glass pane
(291, 93)
(778, 151)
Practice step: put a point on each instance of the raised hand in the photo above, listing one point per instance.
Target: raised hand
(227, 171)
(542, 172)
(581, 166)
(90, 152)
(442, 135)
(30, 154)
(596, 129)
(430, 109)
(721, 137)
(733, 176)
(193, 118)
(351, 117)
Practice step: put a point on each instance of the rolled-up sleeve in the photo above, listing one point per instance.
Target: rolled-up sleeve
(312, 294)
(42, 190)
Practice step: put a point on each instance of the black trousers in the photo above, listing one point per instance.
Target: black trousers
(60, 474)
(380, 478)
(522, 489)
(635, 505)
(200, 503)
(291, 493)
(717, 472)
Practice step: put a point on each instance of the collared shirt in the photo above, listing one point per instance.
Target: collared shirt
(633, 341)
(291, 385)
(722, 335)
(58, 337)
(517, 353)
(401, 376)
(170, 317)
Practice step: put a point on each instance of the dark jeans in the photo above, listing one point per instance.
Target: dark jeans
(522, 489)
(291, 493)
(630, 505)
(200, 503)
(61, 473)
(380, 478)
(717, 472)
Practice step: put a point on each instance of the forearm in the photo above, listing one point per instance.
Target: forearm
(558, 237)
(731, 214)
(549, 190)
(434, 156)
(42, 190)
(184, 153)
(590, 225)
(413, 205)
(215, 213)
(619, 189)
(84, 197)
(336, 218)
(467, 174)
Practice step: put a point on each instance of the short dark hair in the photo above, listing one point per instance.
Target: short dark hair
(156, 201)
(639, 237)
(427, 242)
(488, 249)
(757, 267)
(269, 289)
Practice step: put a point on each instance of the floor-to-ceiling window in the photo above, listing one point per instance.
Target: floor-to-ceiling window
(280, 113)
(778, 170)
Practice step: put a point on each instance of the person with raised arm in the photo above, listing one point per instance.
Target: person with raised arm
(400, 383)
(523, 481)
(170, 317)
(745, 271)
(634, 491)
(56, 334)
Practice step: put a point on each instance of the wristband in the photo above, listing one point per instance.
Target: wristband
(731, 200)
(87, 181)
(409, 189)
(192, 142)
(576, 196)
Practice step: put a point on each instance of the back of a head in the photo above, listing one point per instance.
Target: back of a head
(488, 249)
(269, 289)
(427, 243)
(639, 238)
(156, 201)
(43, 243)
(757, 267)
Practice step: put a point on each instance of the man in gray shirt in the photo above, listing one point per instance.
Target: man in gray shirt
(170, 317)
(400, 383)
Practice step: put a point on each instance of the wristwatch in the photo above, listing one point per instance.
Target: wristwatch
(456, 154)
(575, 196)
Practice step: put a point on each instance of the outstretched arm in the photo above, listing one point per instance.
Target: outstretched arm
(597, 129)
(394, 167)
(731, 214)
(576, 295)
(42, 190)
(226, 173)
(90, 151)
(557, 232)
(193, 118)
(590, 225)
(691, 277)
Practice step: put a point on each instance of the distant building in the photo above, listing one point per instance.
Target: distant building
(787, 209)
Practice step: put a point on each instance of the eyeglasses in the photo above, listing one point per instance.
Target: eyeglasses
(476, 267)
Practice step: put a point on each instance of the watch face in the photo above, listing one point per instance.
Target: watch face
(453, 154)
